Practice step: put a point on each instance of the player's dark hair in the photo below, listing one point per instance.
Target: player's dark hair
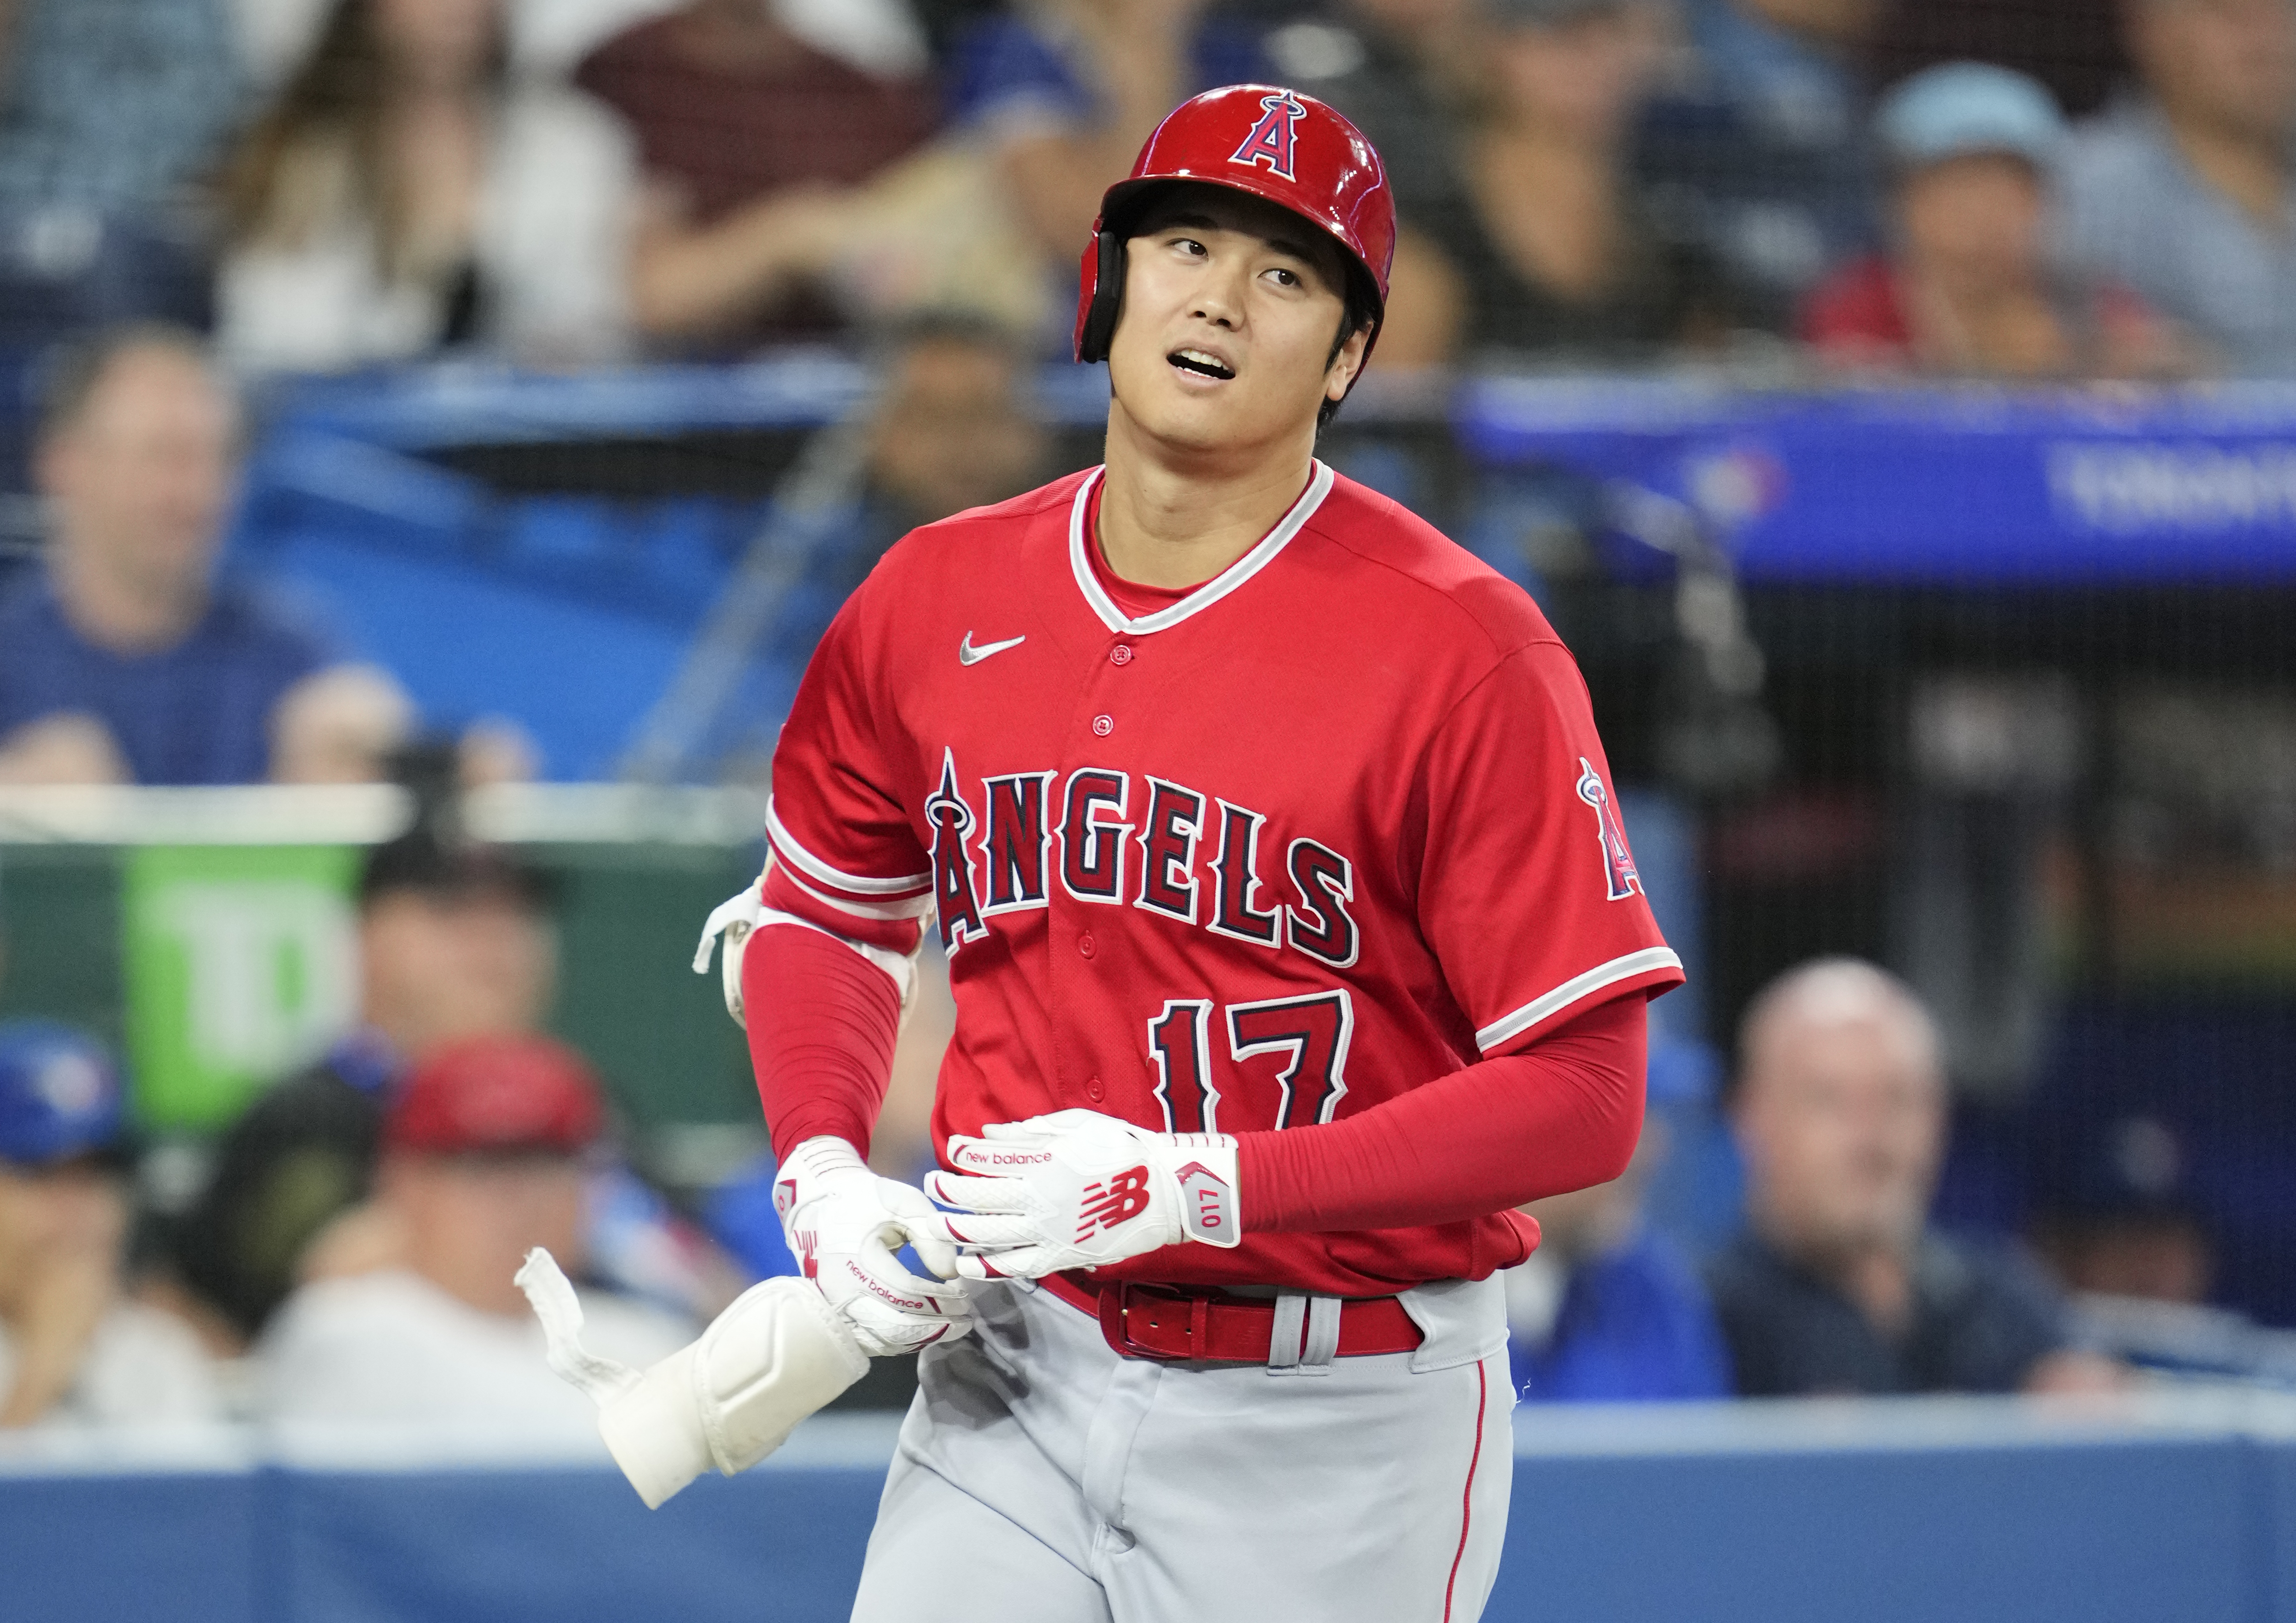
(1360, 311)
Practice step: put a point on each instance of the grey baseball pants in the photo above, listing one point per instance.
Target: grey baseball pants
(1041, 1477)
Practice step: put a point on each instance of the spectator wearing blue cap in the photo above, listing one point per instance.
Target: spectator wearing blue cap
(1608, 1309)
(1966, 287)
(73, 1347)
(2187, 192)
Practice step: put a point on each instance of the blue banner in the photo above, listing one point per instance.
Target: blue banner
(1933, 487)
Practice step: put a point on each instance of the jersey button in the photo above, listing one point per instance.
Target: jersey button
(1121, 654)
(1084, 944)
(1094, 1091)
(1102, 726)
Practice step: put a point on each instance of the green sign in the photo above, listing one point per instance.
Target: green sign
(242, 964)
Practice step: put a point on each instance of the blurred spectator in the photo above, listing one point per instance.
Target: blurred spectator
(1839, 1286)
(2117, 1213)
(1607, 1311)
(1405, 73)
(1760, 154)
(483, 1158)
(108, 109)
(2072, 47)
(72, 1347)
(545, 36)
(453, 943)
(951, 429)
(2187, 194)
(751, 139)
(1967, 288)
(126, 659)
(403, 193)
(1557, 251)
(1063, 93)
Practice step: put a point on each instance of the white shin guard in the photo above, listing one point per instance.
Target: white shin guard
(728, 1399)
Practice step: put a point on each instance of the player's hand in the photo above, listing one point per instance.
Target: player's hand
(1077, 1188)
(843, 1222)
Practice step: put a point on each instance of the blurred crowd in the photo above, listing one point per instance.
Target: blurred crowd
(340, 1253)
(192, 192)
(1886, 186)
(197, 193)
(345, 1260)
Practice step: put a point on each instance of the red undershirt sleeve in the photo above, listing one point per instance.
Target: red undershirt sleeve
(1564, 1114)
(823, 1021)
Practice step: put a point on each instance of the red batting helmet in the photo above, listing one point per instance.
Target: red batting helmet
(1272, 142)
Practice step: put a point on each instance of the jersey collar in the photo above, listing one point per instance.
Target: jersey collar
(1319, 485)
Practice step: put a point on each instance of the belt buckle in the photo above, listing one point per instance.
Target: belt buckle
(1116, 1328)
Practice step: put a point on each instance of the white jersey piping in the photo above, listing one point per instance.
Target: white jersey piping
(1572, 990)
(1319, 485)
(806, 862)
(913, 908)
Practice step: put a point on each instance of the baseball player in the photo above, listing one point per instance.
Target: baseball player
(1294, 938)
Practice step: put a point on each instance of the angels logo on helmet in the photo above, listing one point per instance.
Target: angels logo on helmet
(1272, 139)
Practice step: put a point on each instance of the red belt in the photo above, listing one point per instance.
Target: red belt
(1171, 1322)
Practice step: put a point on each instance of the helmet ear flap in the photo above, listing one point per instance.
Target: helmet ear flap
(1103, 297)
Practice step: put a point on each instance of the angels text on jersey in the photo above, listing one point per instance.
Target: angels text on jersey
(1121, 839)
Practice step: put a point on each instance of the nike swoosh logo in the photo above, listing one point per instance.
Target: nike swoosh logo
(968, 654)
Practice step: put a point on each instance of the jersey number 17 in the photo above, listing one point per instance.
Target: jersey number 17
(1310, 1032)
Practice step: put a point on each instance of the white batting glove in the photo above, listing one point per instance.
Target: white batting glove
(1077, 1188)
(843, 1221)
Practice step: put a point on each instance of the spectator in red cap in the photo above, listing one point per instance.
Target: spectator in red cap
(455, 942)
(484, 1153)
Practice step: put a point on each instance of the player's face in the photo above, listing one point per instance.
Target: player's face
(1231, 308)
(1842, 1122)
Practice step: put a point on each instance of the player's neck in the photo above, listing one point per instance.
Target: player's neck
(1172, 518)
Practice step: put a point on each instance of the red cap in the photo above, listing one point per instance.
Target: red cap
(498, 1092)
(1274, 144)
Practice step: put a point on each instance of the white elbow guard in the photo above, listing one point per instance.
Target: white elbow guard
(740, 917)
(736, 918)
(729, 1399)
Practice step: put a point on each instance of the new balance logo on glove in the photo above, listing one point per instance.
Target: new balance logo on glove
(1077, 1188)
(1118, 1200)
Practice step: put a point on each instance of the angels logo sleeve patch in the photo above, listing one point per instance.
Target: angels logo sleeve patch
(1528, 888)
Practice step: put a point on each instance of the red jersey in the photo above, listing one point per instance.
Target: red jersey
(1332, 825)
